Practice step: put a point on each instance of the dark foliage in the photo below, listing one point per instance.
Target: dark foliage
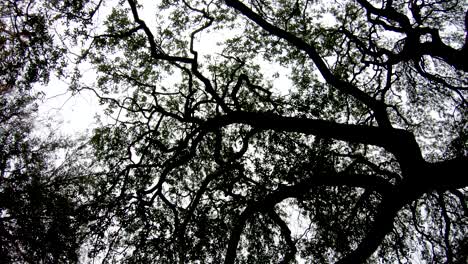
(40, 220)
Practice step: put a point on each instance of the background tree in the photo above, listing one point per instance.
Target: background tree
(363, 132)
(40, 214)
(40, 217)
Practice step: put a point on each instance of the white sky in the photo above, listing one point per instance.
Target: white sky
(68, 114)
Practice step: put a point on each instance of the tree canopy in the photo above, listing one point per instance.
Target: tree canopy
(269, 131)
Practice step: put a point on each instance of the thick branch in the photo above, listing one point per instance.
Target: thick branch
(444, 175)
(382, 225)
(387, 210)
(436, 48)
(414, 49)
(397, 141)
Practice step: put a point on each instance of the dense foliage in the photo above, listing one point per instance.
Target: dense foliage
(273, 131)
(39, 219)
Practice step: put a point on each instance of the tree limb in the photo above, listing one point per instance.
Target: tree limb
(399, 142)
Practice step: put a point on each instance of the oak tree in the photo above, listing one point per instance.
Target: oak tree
(265, 131)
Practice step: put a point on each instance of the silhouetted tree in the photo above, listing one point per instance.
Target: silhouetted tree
(362, 131)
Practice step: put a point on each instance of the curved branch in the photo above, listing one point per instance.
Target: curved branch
(155, 51)
(444, 175)
(387, 210)
(294, 191)
(286, 232)
(399, 142)
(270, 200)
